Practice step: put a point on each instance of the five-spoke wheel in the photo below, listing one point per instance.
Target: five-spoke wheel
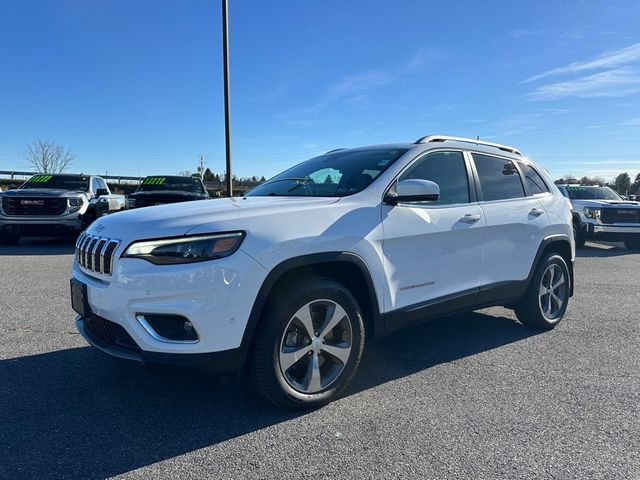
(308, 344)
(545, 302)
(315, 346)
(553, 292)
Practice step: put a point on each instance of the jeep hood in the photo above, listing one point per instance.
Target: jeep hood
(215, 215)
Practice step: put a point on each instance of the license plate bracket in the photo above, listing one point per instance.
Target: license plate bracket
(80, 298)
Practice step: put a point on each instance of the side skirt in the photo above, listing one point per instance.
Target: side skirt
(497, 294)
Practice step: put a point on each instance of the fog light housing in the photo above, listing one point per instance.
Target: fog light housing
(168, 328)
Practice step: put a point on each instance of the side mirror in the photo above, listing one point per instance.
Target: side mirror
(101, 191)
(413, 190)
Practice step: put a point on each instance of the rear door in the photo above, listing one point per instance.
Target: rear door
(516, 223)
(433, 250)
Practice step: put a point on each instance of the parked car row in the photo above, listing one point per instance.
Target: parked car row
(64, 204)
(290, 280)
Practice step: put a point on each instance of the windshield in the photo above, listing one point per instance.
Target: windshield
(335, 174)
(182, 184)
(64, 182)
(592, 193)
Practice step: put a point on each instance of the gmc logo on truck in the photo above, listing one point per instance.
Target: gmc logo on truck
(31, 203)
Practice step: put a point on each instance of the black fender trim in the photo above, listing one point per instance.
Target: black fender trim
(551, 239)
(308, 261)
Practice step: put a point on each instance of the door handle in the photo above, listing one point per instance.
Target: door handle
(469, 218)
(536, 212)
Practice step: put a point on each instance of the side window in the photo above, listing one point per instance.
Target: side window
(448, 170)
(102, 184)
(534, 180)
(95, 185)
(499, 178)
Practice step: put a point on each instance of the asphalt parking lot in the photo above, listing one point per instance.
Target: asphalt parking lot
(471, 396)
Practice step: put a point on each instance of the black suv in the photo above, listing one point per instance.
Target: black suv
(158, 190)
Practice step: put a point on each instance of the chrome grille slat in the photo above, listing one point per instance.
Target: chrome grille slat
(97, 264)
(95, 253)
(83, 251)
(89, 253)
(78, 243)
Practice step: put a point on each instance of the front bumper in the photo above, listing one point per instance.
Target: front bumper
(216, 297)
(217, 362)
(50, 225)
(613, 233)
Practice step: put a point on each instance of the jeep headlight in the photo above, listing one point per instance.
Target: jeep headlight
(75, 204)
(591, 212)
(190, 249)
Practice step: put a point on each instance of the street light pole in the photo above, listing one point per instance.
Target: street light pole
(227, 100)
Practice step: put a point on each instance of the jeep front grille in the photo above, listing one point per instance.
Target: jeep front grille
(96, 253)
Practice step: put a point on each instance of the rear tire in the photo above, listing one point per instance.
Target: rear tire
(308, 344)
(547, 297)
(632, 244)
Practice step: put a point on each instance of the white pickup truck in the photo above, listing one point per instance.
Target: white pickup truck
(54, 205)
(599, 213)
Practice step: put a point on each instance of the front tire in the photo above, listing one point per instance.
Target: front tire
(547, 297)
(578, 236)
(308, 344)
(632, 244)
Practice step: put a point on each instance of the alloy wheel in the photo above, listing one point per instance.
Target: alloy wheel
(315, 346)
(553, 292)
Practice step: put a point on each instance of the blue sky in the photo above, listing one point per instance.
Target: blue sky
(136, 86)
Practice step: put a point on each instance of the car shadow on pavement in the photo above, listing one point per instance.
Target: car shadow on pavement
(604, 250)
(40, 246)
(78, 413)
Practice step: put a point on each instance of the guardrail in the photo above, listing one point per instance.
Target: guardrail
(213, 186)
(13, 173)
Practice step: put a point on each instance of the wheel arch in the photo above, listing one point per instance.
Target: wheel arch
(560, 244)
(345, 268)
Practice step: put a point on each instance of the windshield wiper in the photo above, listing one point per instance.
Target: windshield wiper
(301, 181)
(290, 179)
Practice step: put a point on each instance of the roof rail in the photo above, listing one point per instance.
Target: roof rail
(445, 138)
(335, 150)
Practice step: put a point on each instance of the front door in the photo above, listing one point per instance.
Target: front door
(433, 250)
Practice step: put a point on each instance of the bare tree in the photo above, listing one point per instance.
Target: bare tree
(45, 156)
(185, 173)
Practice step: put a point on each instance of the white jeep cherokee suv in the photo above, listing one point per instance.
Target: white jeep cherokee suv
(288, 279)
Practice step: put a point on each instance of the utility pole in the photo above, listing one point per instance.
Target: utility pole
(227, 100)
(203, 162)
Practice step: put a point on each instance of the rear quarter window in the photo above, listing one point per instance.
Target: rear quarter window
(534, 180)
